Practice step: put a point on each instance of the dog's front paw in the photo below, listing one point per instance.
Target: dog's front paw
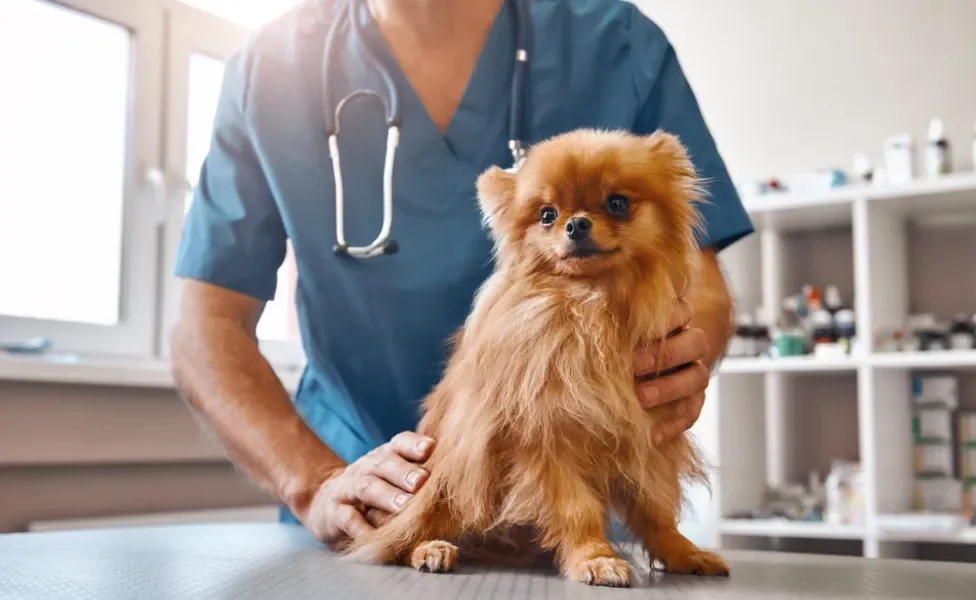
(699, 562)
(435, 557)
(612, 572)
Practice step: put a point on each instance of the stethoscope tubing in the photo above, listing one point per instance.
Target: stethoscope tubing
(382, 244)
(523, 39)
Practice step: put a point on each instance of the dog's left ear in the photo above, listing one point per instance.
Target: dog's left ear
(669, 147)
(496, 192)
(674, 163)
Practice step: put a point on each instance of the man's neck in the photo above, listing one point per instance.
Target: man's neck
(432, 22)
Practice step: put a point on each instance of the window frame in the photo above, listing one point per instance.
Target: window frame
(189, 31)
(134, 333)
(163, 34)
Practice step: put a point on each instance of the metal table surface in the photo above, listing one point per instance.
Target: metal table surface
(251, 561)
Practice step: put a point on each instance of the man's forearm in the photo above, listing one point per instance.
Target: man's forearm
(223, 375)
(711, 308)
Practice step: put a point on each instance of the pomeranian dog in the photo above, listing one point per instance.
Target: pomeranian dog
(537, 419)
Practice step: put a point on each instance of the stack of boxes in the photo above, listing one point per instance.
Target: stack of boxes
(939, 486)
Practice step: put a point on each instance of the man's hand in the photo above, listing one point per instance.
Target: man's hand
(673, 369)
(358, 497)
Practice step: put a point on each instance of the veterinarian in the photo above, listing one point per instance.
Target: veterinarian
(340, 455)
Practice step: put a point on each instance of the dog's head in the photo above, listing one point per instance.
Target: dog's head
(589, 202)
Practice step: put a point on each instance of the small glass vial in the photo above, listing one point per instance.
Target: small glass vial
(899, 158)
(846, 328)
(938, 159)
(742, 344)
(824, 331)
(962, 334)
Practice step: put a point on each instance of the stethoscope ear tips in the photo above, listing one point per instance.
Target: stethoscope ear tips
(341, 250)
(391, 247)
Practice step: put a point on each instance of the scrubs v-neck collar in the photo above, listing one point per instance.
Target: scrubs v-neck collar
(482, 113)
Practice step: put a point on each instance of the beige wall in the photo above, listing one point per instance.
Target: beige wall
(69, 452)
(792, 85)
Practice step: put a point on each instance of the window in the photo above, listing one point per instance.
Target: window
(199, 46)
(60, 114)
(106, 117)
(246, 13)
(75, 243)
(203, 92)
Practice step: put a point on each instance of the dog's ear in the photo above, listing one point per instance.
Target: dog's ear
(496, 193)
(671, 159)
(668, 147)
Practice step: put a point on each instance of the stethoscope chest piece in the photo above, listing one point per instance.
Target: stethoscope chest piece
(388, 247)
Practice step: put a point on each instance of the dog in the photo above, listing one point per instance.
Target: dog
(536, 418)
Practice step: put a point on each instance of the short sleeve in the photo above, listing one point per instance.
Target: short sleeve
(671, 106)
(233, 236)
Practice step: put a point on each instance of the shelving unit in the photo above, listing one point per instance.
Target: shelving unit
(775, 420)
(791, 529)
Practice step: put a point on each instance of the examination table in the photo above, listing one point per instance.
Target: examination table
(246, 561)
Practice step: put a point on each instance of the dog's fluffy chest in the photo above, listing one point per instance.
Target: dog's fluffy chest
(548, 360)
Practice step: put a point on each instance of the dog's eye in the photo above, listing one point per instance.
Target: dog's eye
(548, 216)
(617, 204)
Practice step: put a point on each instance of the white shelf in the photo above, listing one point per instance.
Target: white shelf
(935, 360)
(781, 528)
(793, 364)
(965, 536)
(950, 359)
(773, 428)
(790, 529)
(833, 207)
(948, 185)
(71, 369)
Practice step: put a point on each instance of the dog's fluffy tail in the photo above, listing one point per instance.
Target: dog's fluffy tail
(393, 541)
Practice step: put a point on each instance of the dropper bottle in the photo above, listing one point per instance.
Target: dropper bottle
(937, 158)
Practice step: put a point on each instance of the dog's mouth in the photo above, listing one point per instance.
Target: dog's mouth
(589, 251)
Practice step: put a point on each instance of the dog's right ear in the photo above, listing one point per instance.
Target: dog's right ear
(496, 193)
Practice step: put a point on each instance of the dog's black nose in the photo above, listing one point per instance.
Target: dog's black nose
(578, 228)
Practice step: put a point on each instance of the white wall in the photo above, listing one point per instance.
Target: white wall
(793, 85)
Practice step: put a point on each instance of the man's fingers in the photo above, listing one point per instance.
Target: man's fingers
(412, 446)
(377, 517)
(376, 493)
(689, 381)
(690, 411)
(686, 347)
(351, 521)
(399, 472)
(681, 316)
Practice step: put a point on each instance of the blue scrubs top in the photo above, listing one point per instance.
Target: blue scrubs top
(375, 330)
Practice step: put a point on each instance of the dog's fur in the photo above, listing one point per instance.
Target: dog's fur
(536, 420)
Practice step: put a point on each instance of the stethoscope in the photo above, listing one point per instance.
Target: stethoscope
(383, 245)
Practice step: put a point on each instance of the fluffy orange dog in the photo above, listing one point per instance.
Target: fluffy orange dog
(537, 419)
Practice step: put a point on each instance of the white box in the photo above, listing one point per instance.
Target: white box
(967, 427)
(936, 389)
(969, 496)
(933, 460)
(967, 462)
(933, 424)
(941, 494)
